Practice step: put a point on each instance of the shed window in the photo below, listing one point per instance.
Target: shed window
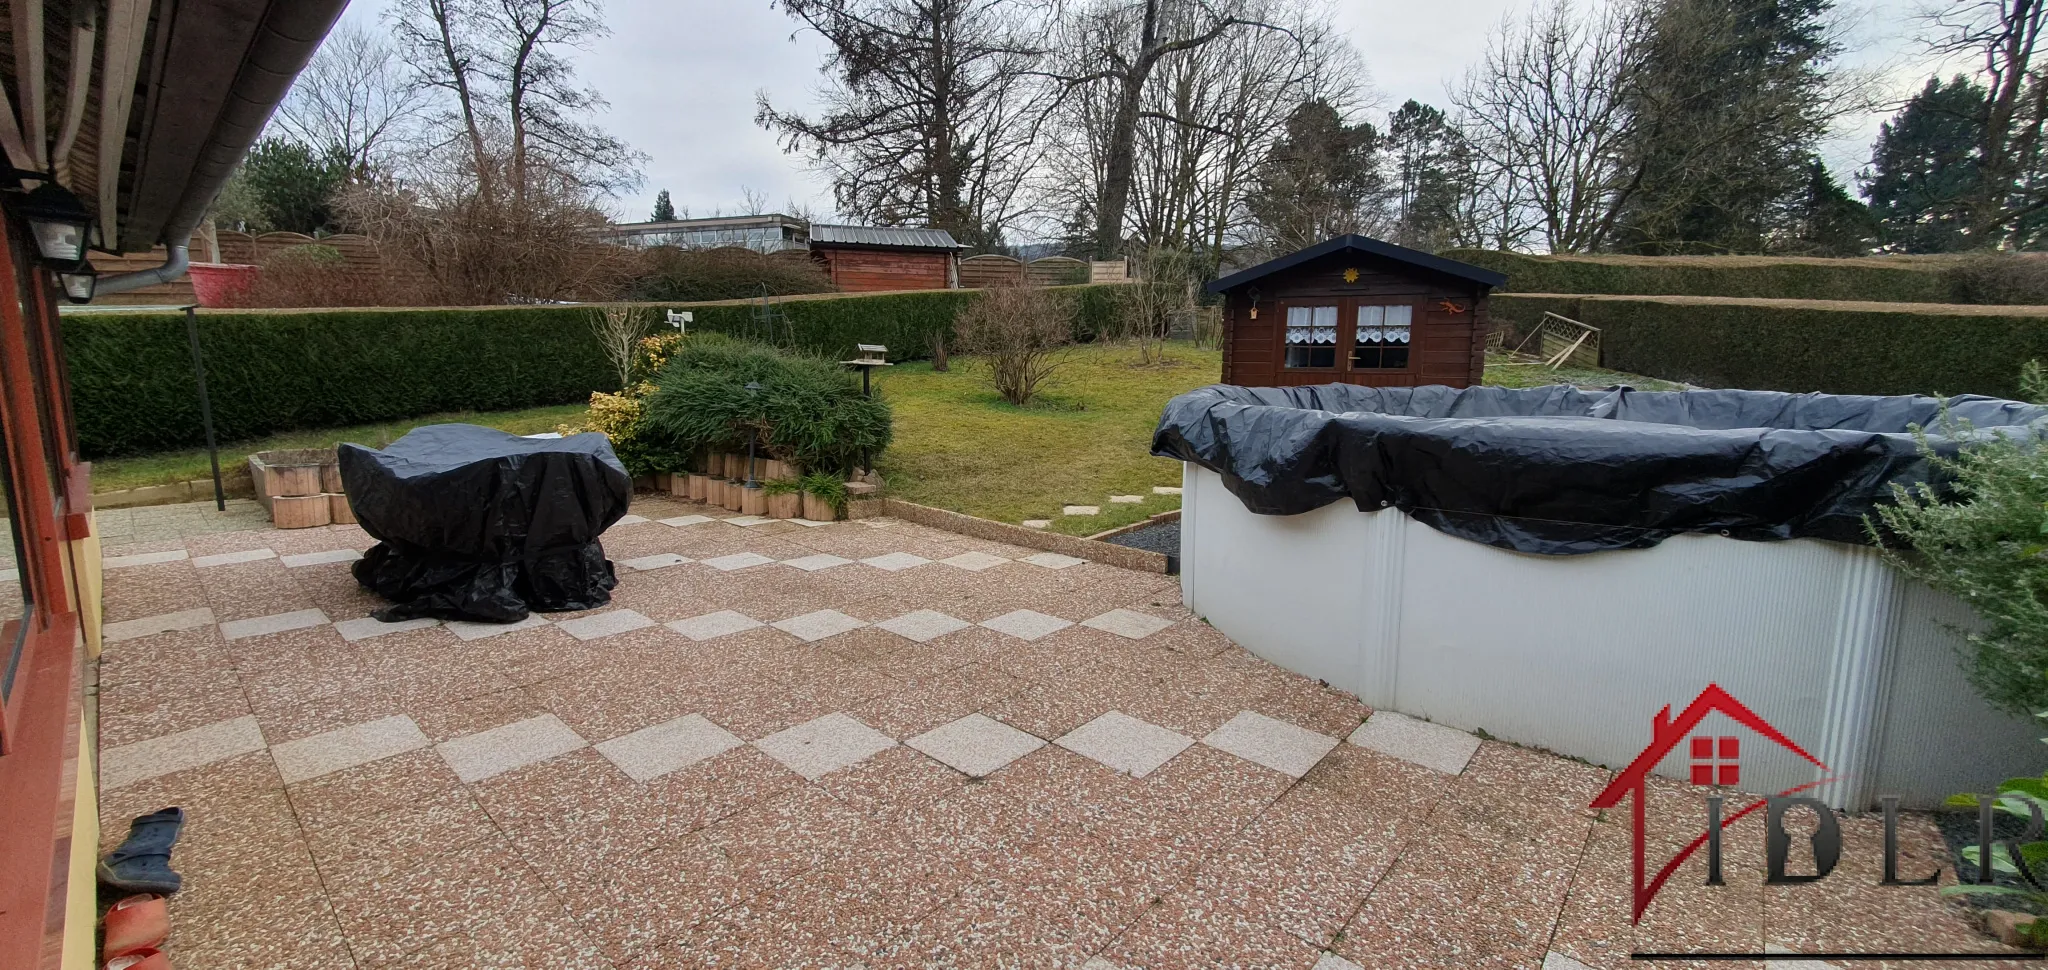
(1383, 337)
(1312, 336)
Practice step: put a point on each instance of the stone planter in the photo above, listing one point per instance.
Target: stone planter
(339, 511)
(753, 501)
(785, 505)
(818, 509)
(730, 498)
(699, 486)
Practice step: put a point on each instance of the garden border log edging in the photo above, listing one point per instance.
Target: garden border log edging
(1093, 550)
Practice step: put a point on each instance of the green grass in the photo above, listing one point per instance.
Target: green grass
(1087, 436)
(163, 468)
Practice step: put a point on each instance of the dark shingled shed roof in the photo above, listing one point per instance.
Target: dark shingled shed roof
(891, 238)
(1365, 244)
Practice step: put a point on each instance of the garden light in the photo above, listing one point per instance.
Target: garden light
(60, 223)
(79, 283)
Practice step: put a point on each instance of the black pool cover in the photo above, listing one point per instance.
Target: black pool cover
(477, 524)
(1560, 471)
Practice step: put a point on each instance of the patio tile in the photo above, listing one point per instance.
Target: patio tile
(131, 763)
(471, 630)
(819, 747)
(823, 560)
(1027, 624)
(629, 519)
(924, 626)
(1433, 746)
(711, 626)
(652, 752)
(716, 788)
(320, 558)
(1129, 624)
(609, 623)
(647, 564)
(974, 561)
(485, 754)
(975, 745)
(747, 520)
(812, 627)
(1270, 743)
(144, 559)
(1188, 931)
(738, 560)
(893, 782)
(231, 558)
(275, 623)
(1052, 560)
(686, 520)
(896, 561)
(325, 754)
(1125, 743)
(151, 625)
(365, 627)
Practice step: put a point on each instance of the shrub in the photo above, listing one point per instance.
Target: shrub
(909, 324)
(1019, 333)
(1790, 347)
(2012, 278)
(1904, 280)
(1982, 536)
(718, 395)
(667, 273)
(1163, 296)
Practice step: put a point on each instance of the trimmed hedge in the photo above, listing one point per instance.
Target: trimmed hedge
(278, 370)
(1843, 348)
(1787, 278)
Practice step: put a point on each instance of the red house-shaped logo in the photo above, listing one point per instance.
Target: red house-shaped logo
(1714, 762)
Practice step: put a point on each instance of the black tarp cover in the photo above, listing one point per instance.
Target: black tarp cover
(478, 524)
(1561, 471)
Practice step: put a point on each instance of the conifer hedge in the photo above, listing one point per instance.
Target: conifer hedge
(269, 371)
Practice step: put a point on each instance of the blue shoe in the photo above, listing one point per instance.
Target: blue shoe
(142, 864)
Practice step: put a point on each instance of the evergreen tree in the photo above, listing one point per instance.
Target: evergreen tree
(1730, 99)
(664, 210)
(1824, 220)
(1923, 172)
(1321, 179)
(1432, 168)
(285, 186)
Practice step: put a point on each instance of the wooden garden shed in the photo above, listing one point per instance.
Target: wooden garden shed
(866, 259)
(1356, 310)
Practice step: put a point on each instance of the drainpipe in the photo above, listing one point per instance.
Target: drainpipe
(176, 261)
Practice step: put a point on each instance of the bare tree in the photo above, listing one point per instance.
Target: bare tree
(1021, 333)
(354, 96)
(618, 329)
(1162, 296)
(509, 94)
(2003, 35)
(1545, 114)
(1119, 44)
(930, 109)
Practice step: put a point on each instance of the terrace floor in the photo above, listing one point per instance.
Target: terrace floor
(864, 744)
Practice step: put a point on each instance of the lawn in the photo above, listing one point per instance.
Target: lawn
(162, 468)
(958, 445)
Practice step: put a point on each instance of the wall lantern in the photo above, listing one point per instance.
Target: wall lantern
(79, 283)
(60, 224)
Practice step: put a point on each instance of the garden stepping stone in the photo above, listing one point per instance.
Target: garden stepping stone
(1126, 499)
(1165, 490)
(1081, 510)
(1037, 523)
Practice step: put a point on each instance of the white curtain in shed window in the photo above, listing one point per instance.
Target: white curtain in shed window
(1384, 324)
(1311, 325)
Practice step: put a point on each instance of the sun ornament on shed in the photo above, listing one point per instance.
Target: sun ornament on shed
(1351, 275)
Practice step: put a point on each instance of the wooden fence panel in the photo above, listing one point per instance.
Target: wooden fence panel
(991, 270)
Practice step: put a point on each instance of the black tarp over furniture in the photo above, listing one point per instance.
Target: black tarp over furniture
(1560, 471)
(478, 524)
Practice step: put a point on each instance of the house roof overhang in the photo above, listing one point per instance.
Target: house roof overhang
(1418, 260)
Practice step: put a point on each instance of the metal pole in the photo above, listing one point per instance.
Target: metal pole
(220, 495)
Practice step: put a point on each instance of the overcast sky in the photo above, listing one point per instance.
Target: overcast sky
(681, 76)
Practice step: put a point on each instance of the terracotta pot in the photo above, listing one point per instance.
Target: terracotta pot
(785, 505)
(222, 284)
(700, 486)
(817, 509)
(754, 501)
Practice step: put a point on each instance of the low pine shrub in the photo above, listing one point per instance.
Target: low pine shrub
(719, 395)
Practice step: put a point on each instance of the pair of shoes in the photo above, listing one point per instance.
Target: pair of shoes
(142, 864)
(137, 924)
(150, 959)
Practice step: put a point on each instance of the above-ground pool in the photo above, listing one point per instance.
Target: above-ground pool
(1555, 567)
